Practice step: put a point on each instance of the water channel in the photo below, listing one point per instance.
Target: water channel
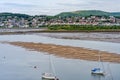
(17, 63)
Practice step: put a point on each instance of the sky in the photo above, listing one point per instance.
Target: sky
(53, 7)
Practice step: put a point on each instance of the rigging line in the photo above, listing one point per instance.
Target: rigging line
(53, 67)
(100, 61)
(103, 66)
(50, 68)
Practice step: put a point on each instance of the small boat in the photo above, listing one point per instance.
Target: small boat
(98, 70)
(49, 76)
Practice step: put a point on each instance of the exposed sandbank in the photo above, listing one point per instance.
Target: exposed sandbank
(70, 52)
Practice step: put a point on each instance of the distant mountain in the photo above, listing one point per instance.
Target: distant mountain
(85, 13)
(14, 14)
(115, 14)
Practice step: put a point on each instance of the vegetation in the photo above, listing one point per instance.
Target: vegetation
(82, 13)
(14, 15)
(85, 17)
(85, 13)
(82, 28)
(116, 14)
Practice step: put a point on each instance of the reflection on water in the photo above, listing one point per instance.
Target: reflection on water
(98, 77)
(17, 63)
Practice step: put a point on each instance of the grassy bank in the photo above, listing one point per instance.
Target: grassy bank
(83, 28)
(60, 29)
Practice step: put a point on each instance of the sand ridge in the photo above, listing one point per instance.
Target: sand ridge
(70, 52)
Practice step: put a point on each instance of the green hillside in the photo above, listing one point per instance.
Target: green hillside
(115, 14)
(86, 13)
(14, 14)
(83, 13)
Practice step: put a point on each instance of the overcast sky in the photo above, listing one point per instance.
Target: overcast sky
(52, 7)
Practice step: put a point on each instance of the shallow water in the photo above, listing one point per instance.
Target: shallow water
(97, 45)
(17, 63)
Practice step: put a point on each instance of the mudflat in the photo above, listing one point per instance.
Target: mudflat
(91, 36)
(70, 52)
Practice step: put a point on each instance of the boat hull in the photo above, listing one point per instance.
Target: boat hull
(48, 76)
(97, 71)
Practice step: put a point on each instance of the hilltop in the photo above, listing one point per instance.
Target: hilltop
(5, 14)
(82, 13)
(85, 13)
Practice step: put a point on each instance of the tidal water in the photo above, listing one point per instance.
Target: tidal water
(17, 63)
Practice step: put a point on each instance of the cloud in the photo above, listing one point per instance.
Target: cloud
(52, 7)
(18, 5)
(80, 3)
(70, 4)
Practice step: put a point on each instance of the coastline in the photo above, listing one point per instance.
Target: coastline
(69, 52)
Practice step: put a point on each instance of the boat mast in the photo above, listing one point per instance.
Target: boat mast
(51, 66)
(99, 60)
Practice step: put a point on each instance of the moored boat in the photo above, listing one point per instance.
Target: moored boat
(49, 76)
(97, 71)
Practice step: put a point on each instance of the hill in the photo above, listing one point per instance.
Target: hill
(115, 14)
(85, 13)
(14, 14)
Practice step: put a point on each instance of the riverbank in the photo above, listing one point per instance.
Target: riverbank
(91, 36)
(5, 31)
(69, 52)
(106, 36)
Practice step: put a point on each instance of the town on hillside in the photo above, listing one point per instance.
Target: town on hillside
(39, 21)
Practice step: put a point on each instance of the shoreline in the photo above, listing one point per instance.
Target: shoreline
(105, 36)
(69, 52)
(42, 30)
(113, 37)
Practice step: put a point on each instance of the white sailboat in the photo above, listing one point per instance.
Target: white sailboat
(49, 75)
(98, 70)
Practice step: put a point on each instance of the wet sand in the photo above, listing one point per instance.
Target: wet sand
(69, 52)
(93, 36)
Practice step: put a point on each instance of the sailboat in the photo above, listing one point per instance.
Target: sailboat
(50, 75)
(98, 70)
